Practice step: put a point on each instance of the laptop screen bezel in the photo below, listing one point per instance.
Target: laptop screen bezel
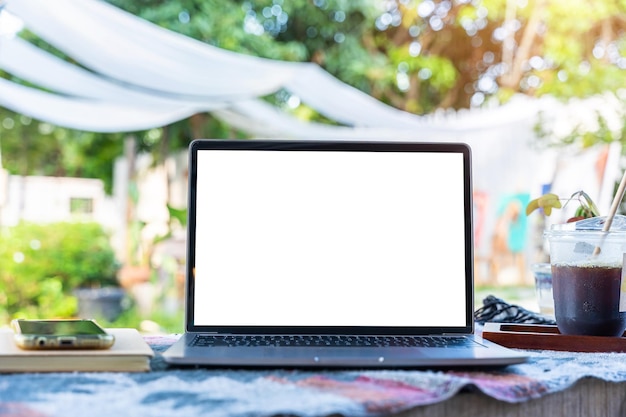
(327, 145)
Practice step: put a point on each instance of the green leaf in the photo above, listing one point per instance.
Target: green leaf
(547, 202)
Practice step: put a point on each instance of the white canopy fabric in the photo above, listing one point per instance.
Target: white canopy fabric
(135, 75)
(30, 63)
(121, 46)
(84, 114)
(144, 56)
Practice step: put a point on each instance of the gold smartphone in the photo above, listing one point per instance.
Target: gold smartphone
(61, 334)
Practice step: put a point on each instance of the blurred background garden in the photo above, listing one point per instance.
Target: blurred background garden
(92, 221)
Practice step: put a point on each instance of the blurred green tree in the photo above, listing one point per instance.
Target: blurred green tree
(417, 55)
(463, 53)
(42, 264)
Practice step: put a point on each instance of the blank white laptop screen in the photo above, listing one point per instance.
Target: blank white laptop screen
(330, 238)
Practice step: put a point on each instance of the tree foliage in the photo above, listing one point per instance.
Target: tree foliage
(463, 53)
(422, 55)
(417, 55)
(42, 264)
(31, 147)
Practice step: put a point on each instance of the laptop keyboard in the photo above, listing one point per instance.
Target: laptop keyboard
(334, 341)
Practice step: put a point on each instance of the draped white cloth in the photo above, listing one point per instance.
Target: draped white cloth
(137, 56)
(133, 75)
(90, 115)
(121, 46)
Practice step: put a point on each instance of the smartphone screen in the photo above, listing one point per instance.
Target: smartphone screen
(60, 327)
(61, 334)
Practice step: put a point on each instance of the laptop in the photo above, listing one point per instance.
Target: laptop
(330, 254)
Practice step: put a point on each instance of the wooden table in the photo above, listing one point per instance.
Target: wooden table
(588, 397)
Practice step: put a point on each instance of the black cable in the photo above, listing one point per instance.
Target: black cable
(496, 310)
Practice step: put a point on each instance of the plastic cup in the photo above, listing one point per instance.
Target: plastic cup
(543, 285)
(587, 282)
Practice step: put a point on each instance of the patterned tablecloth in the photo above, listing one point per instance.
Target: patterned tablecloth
(211, 392)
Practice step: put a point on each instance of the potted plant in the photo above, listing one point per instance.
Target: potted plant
(586, 209)
(93, 280)
(142, 275)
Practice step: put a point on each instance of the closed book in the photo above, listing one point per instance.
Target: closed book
(129, 353)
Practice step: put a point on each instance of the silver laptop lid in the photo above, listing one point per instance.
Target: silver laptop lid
(329, 237)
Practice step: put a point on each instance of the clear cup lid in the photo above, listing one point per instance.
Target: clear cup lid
(593, 224)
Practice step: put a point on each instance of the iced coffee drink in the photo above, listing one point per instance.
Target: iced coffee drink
(587, 277)
(588, 300)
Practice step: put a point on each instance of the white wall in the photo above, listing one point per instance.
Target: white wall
(47, 199)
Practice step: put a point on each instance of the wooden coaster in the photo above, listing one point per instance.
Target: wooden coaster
(547, 337)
